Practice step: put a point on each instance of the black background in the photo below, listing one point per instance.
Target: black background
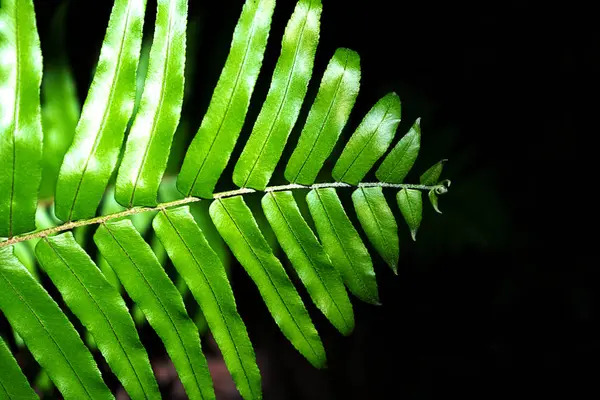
(496, 298)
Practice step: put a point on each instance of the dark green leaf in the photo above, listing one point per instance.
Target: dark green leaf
(327, 117)
(370, 141)
(13, 384)
(400, 160)
(284, 100)
(101, 310)
(432, 175)
(211, 148)
(149, 141)
(47, 332)
(91, 159)
(20, 120)
(150, 287)
(343, 244)
(310, 260)
(378, 222)
(237, 225)
(411, 206)
(204, 274)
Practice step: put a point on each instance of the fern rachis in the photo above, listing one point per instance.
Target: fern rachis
(328, 261)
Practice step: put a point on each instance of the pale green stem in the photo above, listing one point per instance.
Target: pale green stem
(137, 210)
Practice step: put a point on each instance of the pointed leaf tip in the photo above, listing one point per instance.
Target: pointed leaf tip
(431, 176)
(411, 206)
(434, 200)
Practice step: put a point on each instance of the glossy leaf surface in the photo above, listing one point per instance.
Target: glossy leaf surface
(369, 142)
(101, 310)
(47, 332)
(284, 100)
(211, 148)
(343, 244)
(149, 286)
(327, 117)
(397, 164)
(92, 157)
(237, 225)
(149, 141)
(378, 222)
(310, 260)
(20, 117)
(205, 276)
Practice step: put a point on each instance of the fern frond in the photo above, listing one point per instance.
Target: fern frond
(369, 142)
(343, 244)
(378, 222)
(13, 384)
(211, 148)
(237, 225)
(20, 117)
(101, 310)
(327, 117)
(284, 100)
(197, 229)
(205, 276)
(150, 287)
(149, 140)
(309, 259)
(92, 157)
(47, 332)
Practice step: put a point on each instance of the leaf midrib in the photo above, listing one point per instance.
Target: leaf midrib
(400, 158)
(212, 291)
(326, 119)
(112, 329)
(341, 242)
(230, 101)
(284, 98)
(160, 302)
(373, 134)
(310, 259)
(269, 277)
(16, 112)
(383, 236)
(47, 333)
(160, 103)
(104, 113)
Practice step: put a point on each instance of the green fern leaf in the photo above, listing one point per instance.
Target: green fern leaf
(308, 257)
(149, 141)
(101, 310)
(432, 175)
(237, 225)
(205, 276)
(211, 148)
(369, 142)
(13, 384)
(327, 117)
(20, 123)
(47, 332)
(284, 100)
(343, 244)
(401, 159)
(91, 159)
(378, 222)
(150, 287)
(411, 206)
